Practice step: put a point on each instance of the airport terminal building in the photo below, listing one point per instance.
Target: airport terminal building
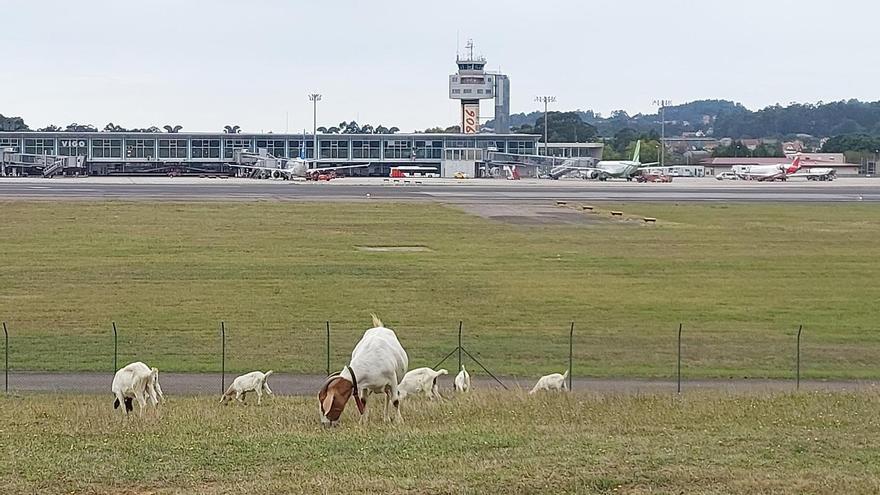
(112, 153)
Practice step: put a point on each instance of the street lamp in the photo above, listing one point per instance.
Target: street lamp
(315, 98)
(545, 100)
(662, 104)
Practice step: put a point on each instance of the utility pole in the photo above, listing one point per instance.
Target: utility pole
(545, 100)
(315, 98)
(662, 104)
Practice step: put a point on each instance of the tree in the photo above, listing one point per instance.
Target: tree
(232, 129)
(381, 129)
(562, 127)
(322, 130)
(173, 130)
(50, 128)
(12, 124)
(366, 129)
(393, 130)
(80, 128)
(111, 127)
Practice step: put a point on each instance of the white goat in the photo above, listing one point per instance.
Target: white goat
(462, 381)
(136, 381)
(553, 381)
(377, 364)
(421, 380)
(255, 381)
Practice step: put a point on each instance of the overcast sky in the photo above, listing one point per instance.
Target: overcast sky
(205, 64)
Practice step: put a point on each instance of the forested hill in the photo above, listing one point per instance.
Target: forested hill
(722, 118)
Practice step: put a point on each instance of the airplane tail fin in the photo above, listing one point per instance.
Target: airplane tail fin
(795, 165)
(636, 153)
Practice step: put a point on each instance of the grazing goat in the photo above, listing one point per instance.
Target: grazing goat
(553, 381)
(377, 364)
(255, 381)
(462, 381)
(421, 380)
(136, 381)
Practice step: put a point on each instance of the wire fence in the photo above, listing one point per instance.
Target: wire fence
(320, 349)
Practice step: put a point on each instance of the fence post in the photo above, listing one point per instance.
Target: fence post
(115, 347)
(798, 379)
(679, 358)
(570, 358)
(222, 357)
(328, 348)
(460, 323)
(6, 365)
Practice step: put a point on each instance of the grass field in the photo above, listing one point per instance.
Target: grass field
(740, 277)
(510, 443)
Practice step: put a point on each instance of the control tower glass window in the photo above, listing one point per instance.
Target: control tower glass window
(334, 149)
(172, 148)
(361, 150)
(230, 145)
(396, 149)
(206, 148)
(140, 148)
(106, 148)
(39, 146)
(274, 147)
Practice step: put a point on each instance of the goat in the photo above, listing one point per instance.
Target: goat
(378, 362)
(421, 380)
(255, 381)
(136, 381)
(553, 381)
(462, 381)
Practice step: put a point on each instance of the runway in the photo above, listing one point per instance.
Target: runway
(437, 190)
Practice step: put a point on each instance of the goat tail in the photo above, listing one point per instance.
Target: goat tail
(442, 371)
(268, 373)
(376, 321)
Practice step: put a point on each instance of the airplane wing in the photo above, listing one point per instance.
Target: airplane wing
(646, 165)
(342, 167)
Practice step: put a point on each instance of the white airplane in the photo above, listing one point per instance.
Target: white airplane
(817, 173)
(780, 171)
(278, 168)
(607, 169)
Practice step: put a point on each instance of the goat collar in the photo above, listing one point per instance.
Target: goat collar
(357, 393)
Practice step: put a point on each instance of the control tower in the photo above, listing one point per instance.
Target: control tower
(471, 84)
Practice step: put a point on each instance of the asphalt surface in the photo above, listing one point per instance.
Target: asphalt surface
(436, 190)
(307, 385)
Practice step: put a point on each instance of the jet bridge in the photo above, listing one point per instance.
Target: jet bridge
(16, 164)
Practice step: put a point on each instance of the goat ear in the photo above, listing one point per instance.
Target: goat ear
(116, 403)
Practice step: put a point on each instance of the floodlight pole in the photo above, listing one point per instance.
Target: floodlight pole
(315, 98)
(545, 100)
(662, 104)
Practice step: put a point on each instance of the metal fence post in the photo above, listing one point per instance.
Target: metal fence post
(798, 379)
(115, 347)
(328, 348)
(679, 358)
(222, 357)
(570, 357)
(6, 363)
(460, 323)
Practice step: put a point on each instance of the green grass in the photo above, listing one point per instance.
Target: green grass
(493, 443)
(740, 278)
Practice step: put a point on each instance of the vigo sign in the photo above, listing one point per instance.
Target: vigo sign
(75, 143)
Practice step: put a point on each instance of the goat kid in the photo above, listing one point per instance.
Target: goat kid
(462, 381)
(255, 381)
(421, 380)
(553, 381)
(136, 381)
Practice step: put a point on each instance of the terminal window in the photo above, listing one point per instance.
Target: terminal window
(206, 148)
(9, 143)
(274, 147)
(40, 146)
(334, 149)
(294, 147)
(230, 145)
(106, 148)
(73, 147)
(366, 149)
(172, 148)
(397, 149)
(140, 148)
(429, 149)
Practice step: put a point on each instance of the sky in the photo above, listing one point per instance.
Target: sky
(206, 64)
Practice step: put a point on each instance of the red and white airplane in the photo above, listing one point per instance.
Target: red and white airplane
(780, 171)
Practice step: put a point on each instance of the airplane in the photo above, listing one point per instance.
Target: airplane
(266, 165)
(817, 173)
(780, 171)
(606, 169)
